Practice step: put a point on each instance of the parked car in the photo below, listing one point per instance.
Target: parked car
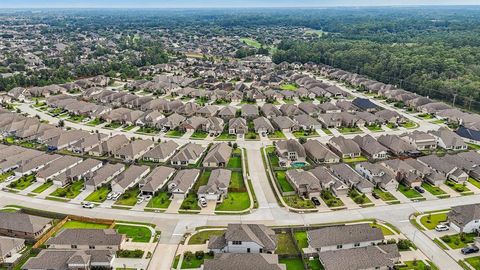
(147, 197)
(115, 196)
(316, 201)
(441, 228)
(110, 195)
(88, 205)
(419, 189)
(203, 202)
(470, 250)
(10, 178)
(140, 200)
(375, 195)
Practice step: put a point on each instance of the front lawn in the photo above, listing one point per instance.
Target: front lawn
(331, 200)
(460, 240)
(147, 130)
(289, 86)
(174, 133)
(327, 131)
(191, 261)
(128, 128)
(296, 202)
(347, 130)
(409, 124)
(95, 122)
(71, 191)
(285, 186)
(129, 198)
(190, 202)
(474, 262)
(203, 236)
(460, 188)
(73, 224)
(434, 190)
(136, 233)
(23, 182)
(384, 195)
(4, 176)
(251, 135)
(292, 263)
(76, 118)
(409, 192)
(413, 265)
(285, 244)
(113, 125)
(385, 230)
(470, 180)
(374, 127)
(305, 134)
(226, 137)
(358, 197)
(199, 135)
(99, 195)
(43, 187)
(277, 134)
(302, 239)
(431, 220)
(235, 201)
(161, 200)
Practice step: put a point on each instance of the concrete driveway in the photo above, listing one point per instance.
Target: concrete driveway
(210, 209)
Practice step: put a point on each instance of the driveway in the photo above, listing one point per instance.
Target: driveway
(210, 209)
(174, 206)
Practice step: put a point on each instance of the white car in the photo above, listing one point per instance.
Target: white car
(115, 196)
(110, 195)
(140, 200)
(88, 205)
(203, 202)
(10, 178)
(441, 228)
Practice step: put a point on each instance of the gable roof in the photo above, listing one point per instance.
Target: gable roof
(345, 234)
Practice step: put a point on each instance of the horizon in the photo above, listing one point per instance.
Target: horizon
(220, 4)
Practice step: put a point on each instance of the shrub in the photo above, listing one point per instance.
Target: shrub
(199, 254)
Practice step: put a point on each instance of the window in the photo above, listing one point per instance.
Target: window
(356, 245)
(91, 247)
(74, 246)
(236, 243)
(339, 246)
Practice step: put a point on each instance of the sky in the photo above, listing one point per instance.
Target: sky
(219, 3)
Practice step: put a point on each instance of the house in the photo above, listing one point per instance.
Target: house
(218, 155)
(441, 165)
(329, 107)
(214, 126)
(404, 172)
(329, 182)
(319, 153)
(290, 152)
(85, 239)
(77, 172)
(190, 153)
(71, 259)
(345, 148)
(290, 110)
(227, 112)
(263, 126)
(305, 183)
(156, 180)
(382, 257)
(351, 178)
(379, 175)
(243, 261)
(10, 250)
(465, 218)
(389, 116)
(102, 176)
(249, 111)
(129, 178)
(365, 104)
(162, 152)
(86, 144)
(344, 237)
(207, 111)
(171, 122)
(66, 139)
(449, 140)
(34, 164)
(284, 124)
(421, 140)
(134, 150)
(192, 124)
(217, 185)
(270, 110)
(396, 145)
(237, 126)
(469, 135)
(309, 108)
(370, 147)
(306, 122)
(109, 146)
(244, 238)
(56, 167)
(23, 226)
(183, 182)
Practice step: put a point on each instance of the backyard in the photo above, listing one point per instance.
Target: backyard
(235, 161)
(73, 224)
(136, 233)
(285, 186)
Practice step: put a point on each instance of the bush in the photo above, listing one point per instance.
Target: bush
(199, 254)
(446, 239)
(188, 256)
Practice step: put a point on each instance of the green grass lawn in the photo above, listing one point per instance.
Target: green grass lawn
(235, 161)
(129, 198)
(199, 135)
(302, 239)
(473, 146)
(136, 233)
(305, 134)
(43, 187)
(426, 116)
(292, 263)
(457, 241)
(251, 42)
(4, 176)
(251, 135)
(272, 156)
(203, 236)
(194, 262)
(95, 122)
(433, 189)
(296, 202)
(113, 125)
(315, 264)
(285, 244)
(285, 186)
(161, 200)
(409, 124)
(174, 133)
(128, 128)
(347, 130)
(76, 118)
(409, 192)
(384, 195)
(358, 197)
(99, 195)
(374, 128)
(432, 220)
(226, 137)
(331, 200)
(147, 130)
(235, 201)
(384, 229)
(289, 86)
(23, 182)
(354, 160)
(413, 265)
(190, 202)
(474, 262)
(236, 182)
(71, 191)
(327, 131)
(460, 188)
(470, 180)
(73, 224)
(277, 135)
